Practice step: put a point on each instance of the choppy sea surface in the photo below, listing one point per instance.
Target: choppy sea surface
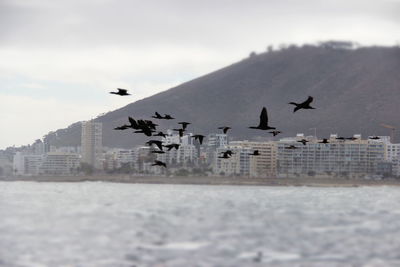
(110, 224)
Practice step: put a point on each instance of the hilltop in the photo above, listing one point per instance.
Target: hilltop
(355, 90)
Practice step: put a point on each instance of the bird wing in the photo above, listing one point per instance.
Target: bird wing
(201, 139)
(308, 101)
(159, 145)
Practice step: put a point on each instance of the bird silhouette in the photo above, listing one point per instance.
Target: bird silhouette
(304, 105)
(351, 138)
(303, 141)
(123, 127)
(120, 92)
(171, 146)
(157, 116)
(199, 137)
(275, 133)
(160, 134)
(155, 142)
(224, 129)
(159, 163)
(255, 153)
(374, 137)
(168, 117)
(184, 124)
(225, 155)
(157, 151)
(340, 138)
(228, 152)
(324, 141)
(263, 121)
(291, 147)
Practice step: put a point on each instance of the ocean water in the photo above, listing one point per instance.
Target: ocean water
(110, 224)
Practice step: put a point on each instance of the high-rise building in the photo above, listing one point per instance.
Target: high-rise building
(91, 143)
(263, 165)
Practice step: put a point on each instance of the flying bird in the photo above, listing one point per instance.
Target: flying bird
(159, 163)
(184, 124)
(374, 137)
(275, 133)
(157, 151)
(171, 146)
(228, 152)
(224, 129)
(157, 116)
(255, 153)
(225, 155)
(123, 127)
(303, 141)
(168, 117)
(198, 137)
(324, 141)
(263, 121)
(291, 147)
(120, 92)
(304, 105)
(155, 142)
(160, 134)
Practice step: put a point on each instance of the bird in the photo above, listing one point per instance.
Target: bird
(228, 152)
(123, 127)
(225, 155)
(171, 146)
(157, 116)
(291, 147)
(159, 163)
(324, 141)
(120, 92)
(224, 129)
(304, 105)
(157, 151)
(275, 133)
(374, 137)
(351, 138)
(155, 142)
(160, 134)
(255, 153)
(199, 137)
(168, 117)
(184, 124)
(340, 138)
(133, 123)
(263, 121)
(303, 141)
(181, 131)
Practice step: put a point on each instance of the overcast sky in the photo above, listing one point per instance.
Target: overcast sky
(60, 58)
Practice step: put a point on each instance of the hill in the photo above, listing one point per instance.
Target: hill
(354, 90)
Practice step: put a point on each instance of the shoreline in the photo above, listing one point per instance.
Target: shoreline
(211, 180)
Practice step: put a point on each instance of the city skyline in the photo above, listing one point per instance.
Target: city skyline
(66, 56)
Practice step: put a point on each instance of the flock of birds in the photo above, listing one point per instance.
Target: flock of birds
(148, 128)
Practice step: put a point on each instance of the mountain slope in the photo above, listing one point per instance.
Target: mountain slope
(354, 90)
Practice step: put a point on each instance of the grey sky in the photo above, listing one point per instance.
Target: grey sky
(66, 55)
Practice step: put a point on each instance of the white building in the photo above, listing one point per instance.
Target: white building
(92, 144)
(337, 157)
(27, 164)
(59, 163)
